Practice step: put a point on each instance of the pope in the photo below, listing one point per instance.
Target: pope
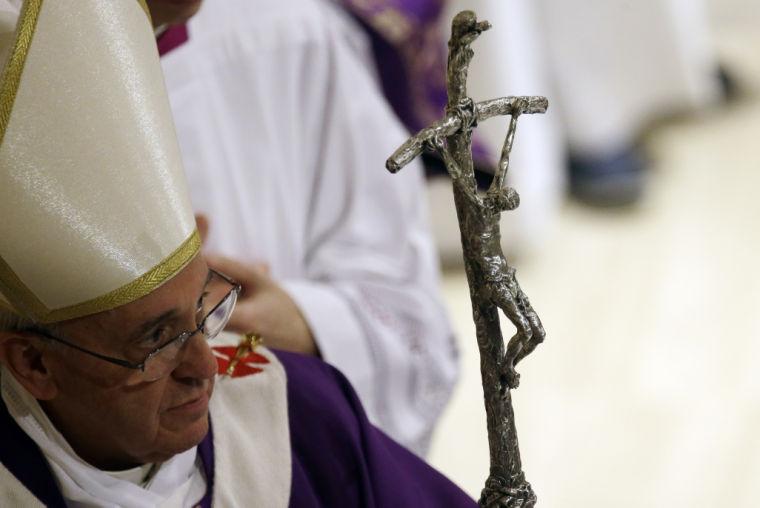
(112, 393)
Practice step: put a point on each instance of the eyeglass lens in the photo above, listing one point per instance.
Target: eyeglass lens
(218, 304)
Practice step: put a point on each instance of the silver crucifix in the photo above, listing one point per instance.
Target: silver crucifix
(492, 281)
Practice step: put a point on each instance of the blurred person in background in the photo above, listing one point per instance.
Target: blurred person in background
(610, 70)
(617, 67)
(284, 134)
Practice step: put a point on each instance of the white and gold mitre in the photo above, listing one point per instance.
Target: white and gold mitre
(94, 211)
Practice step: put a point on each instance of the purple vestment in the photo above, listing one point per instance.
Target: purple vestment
(410, 55)
(173, 37)
(339, 459)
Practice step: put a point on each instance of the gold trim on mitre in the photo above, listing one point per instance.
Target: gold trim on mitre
(144, 5)
(142, 286)
(14, 67)
(7, 306)
(136, 289)
(11, 77)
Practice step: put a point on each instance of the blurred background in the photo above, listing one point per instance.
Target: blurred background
(637, 243)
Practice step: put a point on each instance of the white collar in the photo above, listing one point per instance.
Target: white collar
(83, 485)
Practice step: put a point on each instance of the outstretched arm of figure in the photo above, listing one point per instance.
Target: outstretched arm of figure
(438, 145)
(501, 172)
(451, 124)
(454, 170)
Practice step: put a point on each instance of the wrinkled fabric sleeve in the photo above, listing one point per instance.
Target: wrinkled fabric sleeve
(284, 134)
(371, 296)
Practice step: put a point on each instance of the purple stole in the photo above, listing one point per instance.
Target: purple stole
(341, 459)
(410, 54)
(173, 37)
(20, 455)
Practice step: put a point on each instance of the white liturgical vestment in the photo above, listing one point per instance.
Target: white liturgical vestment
(284, 135)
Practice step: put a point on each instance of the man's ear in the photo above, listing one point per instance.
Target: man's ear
(22, 356)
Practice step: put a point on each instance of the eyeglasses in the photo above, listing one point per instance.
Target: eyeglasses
(163, 359)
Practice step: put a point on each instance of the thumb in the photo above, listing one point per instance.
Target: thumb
(201, 222)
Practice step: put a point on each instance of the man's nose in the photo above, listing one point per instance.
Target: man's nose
(197, 360)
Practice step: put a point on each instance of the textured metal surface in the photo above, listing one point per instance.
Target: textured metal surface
(492, 282)
(451, 124)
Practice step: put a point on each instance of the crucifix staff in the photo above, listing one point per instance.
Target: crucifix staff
(492, 282)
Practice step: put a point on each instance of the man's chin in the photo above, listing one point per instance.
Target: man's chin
(194, 434)
(181, 440)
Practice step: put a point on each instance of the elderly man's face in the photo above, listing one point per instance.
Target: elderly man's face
(111, 418)
(172, 12)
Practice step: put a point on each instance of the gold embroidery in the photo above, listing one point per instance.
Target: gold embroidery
(138, 288)
(7, 306)
(146, 9)
(392, 24)
(14, 66)
(15, 289)
(248, 345)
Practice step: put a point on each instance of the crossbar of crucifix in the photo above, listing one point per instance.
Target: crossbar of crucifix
(452, 124)
(493, 284)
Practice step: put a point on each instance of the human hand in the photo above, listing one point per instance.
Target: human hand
(201, 223)
(264, 308)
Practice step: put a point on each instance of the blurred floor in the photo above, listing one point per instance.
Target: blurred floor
(645, 393)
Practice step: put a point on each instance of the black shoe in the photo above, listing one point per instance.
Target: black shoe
(729, 87)
(612, 181)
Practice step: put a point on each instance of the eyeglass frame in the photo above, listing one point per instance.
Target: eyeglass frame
(183, 337)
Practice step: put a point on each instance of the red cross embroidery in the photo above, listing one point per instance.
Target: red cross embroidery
(246, 365)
